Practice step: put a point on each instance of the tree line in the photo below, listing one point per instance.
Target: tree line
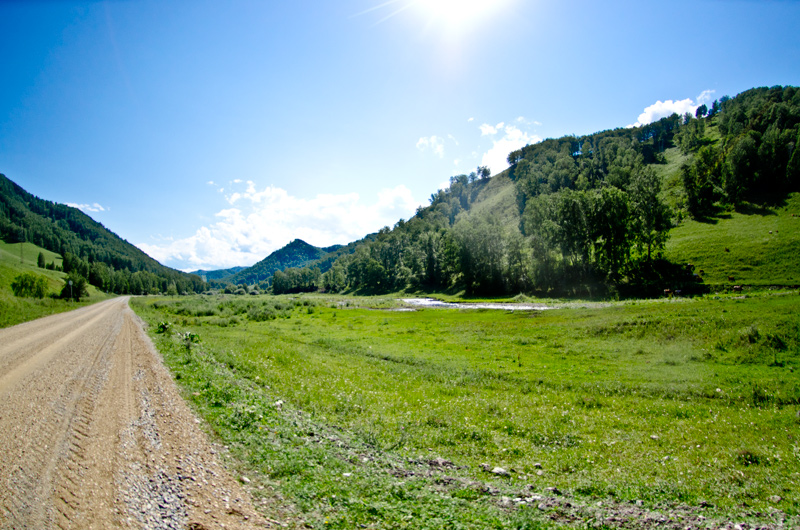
(755, 157)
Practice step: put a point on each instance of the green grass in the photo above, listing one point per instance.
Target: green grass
(763, 245)
(14, 310)
(664, 402)
(672, 185)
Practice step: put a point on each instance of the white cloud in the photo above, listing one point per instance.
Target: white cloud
(471, 119)
(487, 129)
(451, 137)
(496, 158)
(662, 109)
(705, 97)
(262, 221)
(94, 207)
(434, 143)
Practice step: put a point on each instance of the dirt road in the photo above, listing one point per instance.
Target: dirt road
(93, 433)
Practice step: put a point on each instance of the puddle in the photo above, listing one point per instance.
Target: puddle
(430, 302)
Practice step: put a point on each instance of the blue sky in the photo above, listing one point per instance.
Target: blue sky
(212, 133)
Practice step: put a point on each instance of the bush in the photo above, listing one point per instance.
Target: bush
(75, 287)
(188, 338)
(29, 284)
(261, 314)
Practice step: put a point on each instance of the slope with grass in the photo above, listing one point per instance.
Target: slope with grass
(13, 309)
(758, 245)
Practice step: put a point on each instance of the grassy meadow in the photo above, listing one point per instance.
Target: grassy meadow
(14, 310)
(343, 412)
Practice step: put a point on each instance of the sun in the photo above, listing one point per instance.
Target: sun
(458, 15)
(455, 16)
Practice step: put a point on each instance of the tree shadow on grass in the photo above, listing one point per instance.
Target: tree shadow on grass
(755, 209)
(661, 277)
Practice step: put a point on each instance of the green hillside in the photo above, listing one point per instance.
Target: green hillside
(621, 211)
(13, 309)
(756, 246)
(89, 249)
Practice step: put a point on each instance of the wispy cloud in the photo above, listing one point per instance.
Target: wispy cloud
(487, 129)
(260, 221)
(705, 97)
(94, 207)
(434, 143)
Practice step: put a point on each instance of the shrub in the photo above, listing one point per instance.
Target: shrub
(750, 334)
(30, 285)
(188, 338)
(746, 457)
(75, 287)
(260, 314)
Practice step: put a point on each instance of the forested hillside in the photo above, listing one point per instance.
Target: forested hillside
(589, 214)
(88, 249)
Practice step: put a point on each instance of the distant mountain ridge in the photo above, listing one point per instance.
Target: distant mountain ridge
(296, 254)
(220, 274)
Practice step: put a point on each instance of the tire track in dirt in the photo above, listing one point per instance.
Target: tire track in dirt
(48, 430)
(22, 357)
(93, 433)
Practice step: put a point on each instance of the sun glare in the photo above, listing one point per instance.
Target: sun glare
(458, 15)
(455, 16)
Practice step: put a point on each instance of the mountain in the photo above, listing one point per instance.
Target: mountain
(220, 274)
(86, 246)
(296, 254)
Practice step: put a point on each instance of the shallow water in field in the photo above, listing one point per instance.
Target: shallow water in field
(430, 302)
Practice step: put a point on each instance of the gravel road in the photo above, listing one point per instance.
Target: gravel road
(93, 432)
